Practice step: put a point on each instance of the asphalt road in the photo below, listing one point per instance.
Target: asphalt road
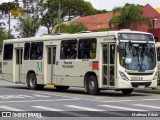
(74, 102)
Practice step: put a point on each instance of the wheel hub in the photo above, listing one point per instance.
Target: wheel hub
(32, 82)
(91, 85)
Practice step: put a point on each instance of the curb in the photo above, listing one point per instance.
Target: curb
(156, 91)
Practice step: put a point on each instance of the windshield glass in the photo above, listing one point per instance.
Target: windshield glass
(137, 56)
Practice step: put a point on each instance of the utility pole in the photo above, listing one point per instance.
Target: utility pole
(59, 19)
(9, 24)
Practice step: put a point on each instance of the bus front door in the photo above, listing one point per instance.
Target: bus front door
(18, 71)
(51, 61)
(108, 64)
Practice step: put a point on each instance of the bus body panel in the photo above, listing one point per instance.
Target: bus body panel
(7, 70)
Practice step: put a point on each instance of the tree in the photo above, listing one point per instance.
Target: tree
(72, 28)
(50, 10)
(127, 16)
(29, 26)
(5, 8)
(3, 36)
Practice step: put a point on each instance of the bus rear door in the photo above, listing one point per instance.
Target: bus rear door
(51, 62)
(18, 70)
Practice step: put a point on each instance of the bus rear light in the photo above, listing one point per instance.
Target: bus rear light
(95, 65)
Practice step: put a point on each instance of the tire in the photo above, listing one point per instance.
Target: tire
(62, 87)
(92, 85)
(127, 91)
(32, 81)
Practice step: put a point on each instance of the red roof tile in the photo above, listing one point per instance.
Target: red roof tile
(96, 22)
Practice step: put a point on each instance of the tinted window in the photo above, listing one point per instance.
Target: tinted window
(36, 51)
(158, 54)
(87, 49)
(8, 52)
(68, 49)
(26, 51)
(51, 55)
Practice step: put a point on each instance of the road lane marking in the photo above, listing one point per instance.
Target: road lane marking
(83, 108)
(101, 101)
(95, 110)
(47, 108)
(14, 96)
(43, 96)
(10, 108)
(58, 110)
(37, 100)
(148, 106)
(122, 108)
(58, 95)
(126, 100)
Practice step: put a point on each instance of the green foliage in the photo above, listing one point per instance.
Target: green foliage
(50, 9)
(28, 26)
(128, 15)
(6, 7)
(72, 28)
(49, 19)
(102, 29)
(3, 36)
(71, 7)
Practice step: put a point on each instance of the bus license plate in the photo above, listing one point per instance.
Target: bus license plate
(141, 86)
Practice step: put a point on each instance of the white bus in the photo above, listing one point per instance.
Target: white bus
(115, 60)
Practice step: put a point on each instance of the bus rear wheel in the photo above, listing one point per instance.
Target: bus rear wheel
(127, 91)
(92, 85)
(32, 82)
(62, 87)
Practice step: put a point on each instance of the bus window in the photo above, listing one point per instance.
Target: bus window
(36, 51)
(87, 49)
(158, 54)
(112, 54)
(8, 52)
(26, 51)
(68, 49)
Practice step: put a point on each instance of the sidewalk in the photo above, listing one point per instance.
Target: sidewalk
(148, 90)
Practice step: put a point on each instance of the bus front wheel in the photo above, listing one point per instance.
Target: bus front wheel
(92, 85)
(127, 91)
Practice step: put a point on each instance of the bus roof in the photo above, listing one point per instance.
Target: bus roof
(70, 36)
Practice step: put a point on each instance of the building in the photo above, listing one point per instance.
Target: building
(96, 22)
(101, 21)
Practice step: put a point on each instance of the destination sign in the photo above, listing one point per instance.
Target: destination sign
(135, 36)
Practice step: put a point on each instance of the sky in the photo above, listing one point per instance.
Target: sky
(1, 1)
(110, 4)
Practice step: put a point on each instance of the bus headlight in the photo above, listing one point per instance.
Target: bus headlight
(155, 76)
(123, 76)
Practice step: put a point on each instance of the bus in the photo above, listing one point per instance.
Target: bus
(112, 60)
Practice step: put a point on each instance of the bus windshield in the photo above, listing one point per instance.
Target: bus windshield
(137, 56)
